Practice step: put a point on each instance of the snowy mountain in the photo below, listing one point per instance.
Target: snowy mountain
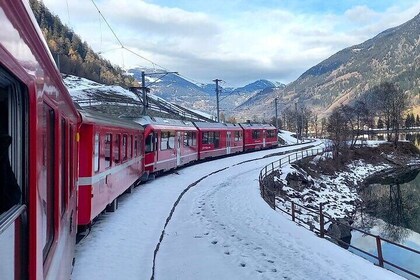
(178, 90)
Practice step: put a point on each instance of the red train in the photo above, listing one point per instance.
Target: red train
(110, 162)
(61, 167)
(38, 214)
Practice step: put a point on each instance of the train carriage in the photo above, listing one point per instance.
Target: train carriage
(259, 136)
(38, 154)
(218, 139)
(168, 143)
(111, 162)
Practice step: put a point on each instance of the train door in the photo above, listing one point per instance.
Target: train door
(264, 136)
(13, 170)
(228, 142)
(178, 148)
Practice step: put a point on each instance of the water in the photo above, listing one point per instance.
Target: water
(392, 211)
(413, 137)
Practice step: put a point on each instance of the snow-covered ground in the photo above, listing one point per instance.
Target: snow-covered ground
(288, 137)
(221, 229)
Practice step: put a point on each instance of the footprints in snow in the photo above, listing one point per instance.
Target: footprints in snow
(230, 240)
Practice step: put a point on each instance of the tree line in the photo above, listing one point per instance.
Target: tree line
(385, 102)
(73, 56)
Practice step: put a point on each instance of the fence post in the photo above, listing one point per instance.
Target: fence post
(272, 166)
(274, 201)
(293, 211)
(321, 221)
(379, 248)
(289, 158)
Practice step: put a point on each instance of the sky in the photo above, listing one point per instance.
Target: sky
(238, 41)
(220, 229)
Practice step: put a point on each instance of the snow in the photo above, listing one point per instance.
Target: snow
(82, 89)
(288, 137)
(221, 229)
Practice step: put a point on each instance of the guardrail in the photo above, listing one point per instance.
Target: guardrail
(268, 193)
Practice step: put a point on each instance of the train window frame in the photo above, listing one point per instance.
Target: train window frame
(150, 143)
(64, 172)
(124, 148)
(136, 147)
(117, 149)
(14, 110)
(256, 134)
(96, 152)
(48, 155)
(130, 146)
(238, 136)
(108, 144)
(216, 140)
(171, 140)
(72, 140)
(193, 139)
(164, 139)
(271, 133)
(205, 138)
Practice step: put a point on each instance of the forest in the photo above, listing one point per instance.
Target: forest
(74, 56)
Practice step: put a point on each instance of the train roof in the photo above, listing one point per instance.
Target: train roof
(162, 122)
(257, 125)
(220, 126)
(94, 117)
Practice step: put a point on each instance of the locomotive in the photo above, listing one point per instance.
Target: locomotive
(61, 166)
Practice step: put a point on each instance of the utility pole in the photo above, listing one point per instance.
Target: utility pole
(277, 119)
(143, 91)
(217, 97)
(297, 123)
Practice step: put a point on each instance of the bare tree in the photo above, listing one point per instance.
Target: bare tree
(389, 102)
(338, 130)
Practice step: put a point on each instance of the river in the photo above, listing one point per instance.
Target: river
(391, 209)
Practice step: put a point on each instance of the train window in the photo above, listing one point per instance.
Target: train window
(136, 150)
(193, 139)
(116, 148)
(12, 144)
(190, 139)
(164, 139)
(108, 147)
(187, 137)
(238, 135)
(64, 174)
(205, 139)
(216, 140)
(271, 133)
(149, 143)
(129, 146)
(140, 146)
(124, 148)
(46, 190)
(96, 153)
(256, 134)
(71, 158)
(171, 141)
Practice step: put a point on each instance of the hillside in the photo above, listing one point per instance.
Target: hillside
(393, 55)
(73, 56)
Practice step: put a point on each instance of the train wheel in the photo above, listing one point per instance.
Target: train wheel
(113, 206)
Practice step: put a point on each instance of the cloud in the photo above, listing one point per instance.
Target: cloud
(235, 45)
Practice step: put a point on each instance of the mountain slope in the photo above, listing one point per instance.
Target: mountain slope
(393, 55)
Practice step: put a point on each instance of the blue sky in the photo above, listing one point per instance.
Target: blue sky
(238, 41)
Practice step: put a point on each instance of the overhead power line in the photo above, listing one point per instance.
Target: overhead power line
(133, 52)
